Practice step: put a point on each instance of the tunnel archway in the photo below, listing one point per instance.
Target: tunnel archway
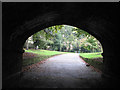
(91, 22)
(59, 38)
(30, 29)
(89, 29)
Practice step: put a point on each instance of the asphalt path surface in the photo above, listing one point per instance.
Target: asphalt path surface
(62, 71)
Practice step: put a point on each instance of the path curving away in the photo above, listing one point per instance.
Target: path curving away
(62, 71)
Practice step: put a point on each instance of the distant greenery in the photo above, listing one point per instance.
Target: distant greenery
(63, 38)
(94, 59)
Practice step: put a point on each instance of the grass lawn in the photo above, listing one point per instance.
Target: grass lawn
(93, 59)
(41, 55)
(45, 52)
(91, 55)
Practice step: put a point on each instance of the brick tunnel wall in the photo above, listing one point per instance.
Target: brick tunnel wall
(28, 18)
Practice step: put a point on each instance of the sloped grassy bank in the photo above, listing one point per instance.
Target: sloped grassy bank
(32, 56)
(94, 59)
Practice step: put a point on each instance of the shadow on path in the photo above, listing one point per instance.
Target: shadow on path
(62, 71)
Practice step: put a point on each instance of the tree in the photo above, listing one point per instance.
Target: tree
(28, 43)
(66, 38)
(43, 37)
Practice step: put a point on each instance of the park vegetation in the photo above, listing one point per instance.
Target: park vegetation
(63, 38)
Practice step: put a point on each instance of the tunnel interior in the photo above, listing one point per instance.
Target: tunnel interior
(20, 20)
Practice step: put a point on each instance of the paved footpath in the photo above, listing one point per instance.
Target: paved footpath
(62, 71)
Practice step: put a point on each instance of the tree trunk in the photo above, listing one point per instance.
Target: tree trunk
(77, 47)
(27, 45)
(60, 45)
(69, 47)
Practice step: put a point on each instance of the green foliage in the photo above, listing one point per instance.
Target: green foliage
(80, 32)
(66, 38)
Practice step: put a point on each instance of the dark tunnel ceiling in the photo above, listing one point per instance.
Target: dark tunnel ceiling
(16, 14)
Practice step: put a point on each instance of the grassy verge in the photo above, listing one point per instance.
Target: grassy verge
(30, 61)
(40, 55)
(45, 52)
(91, 55)
(94, 59)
